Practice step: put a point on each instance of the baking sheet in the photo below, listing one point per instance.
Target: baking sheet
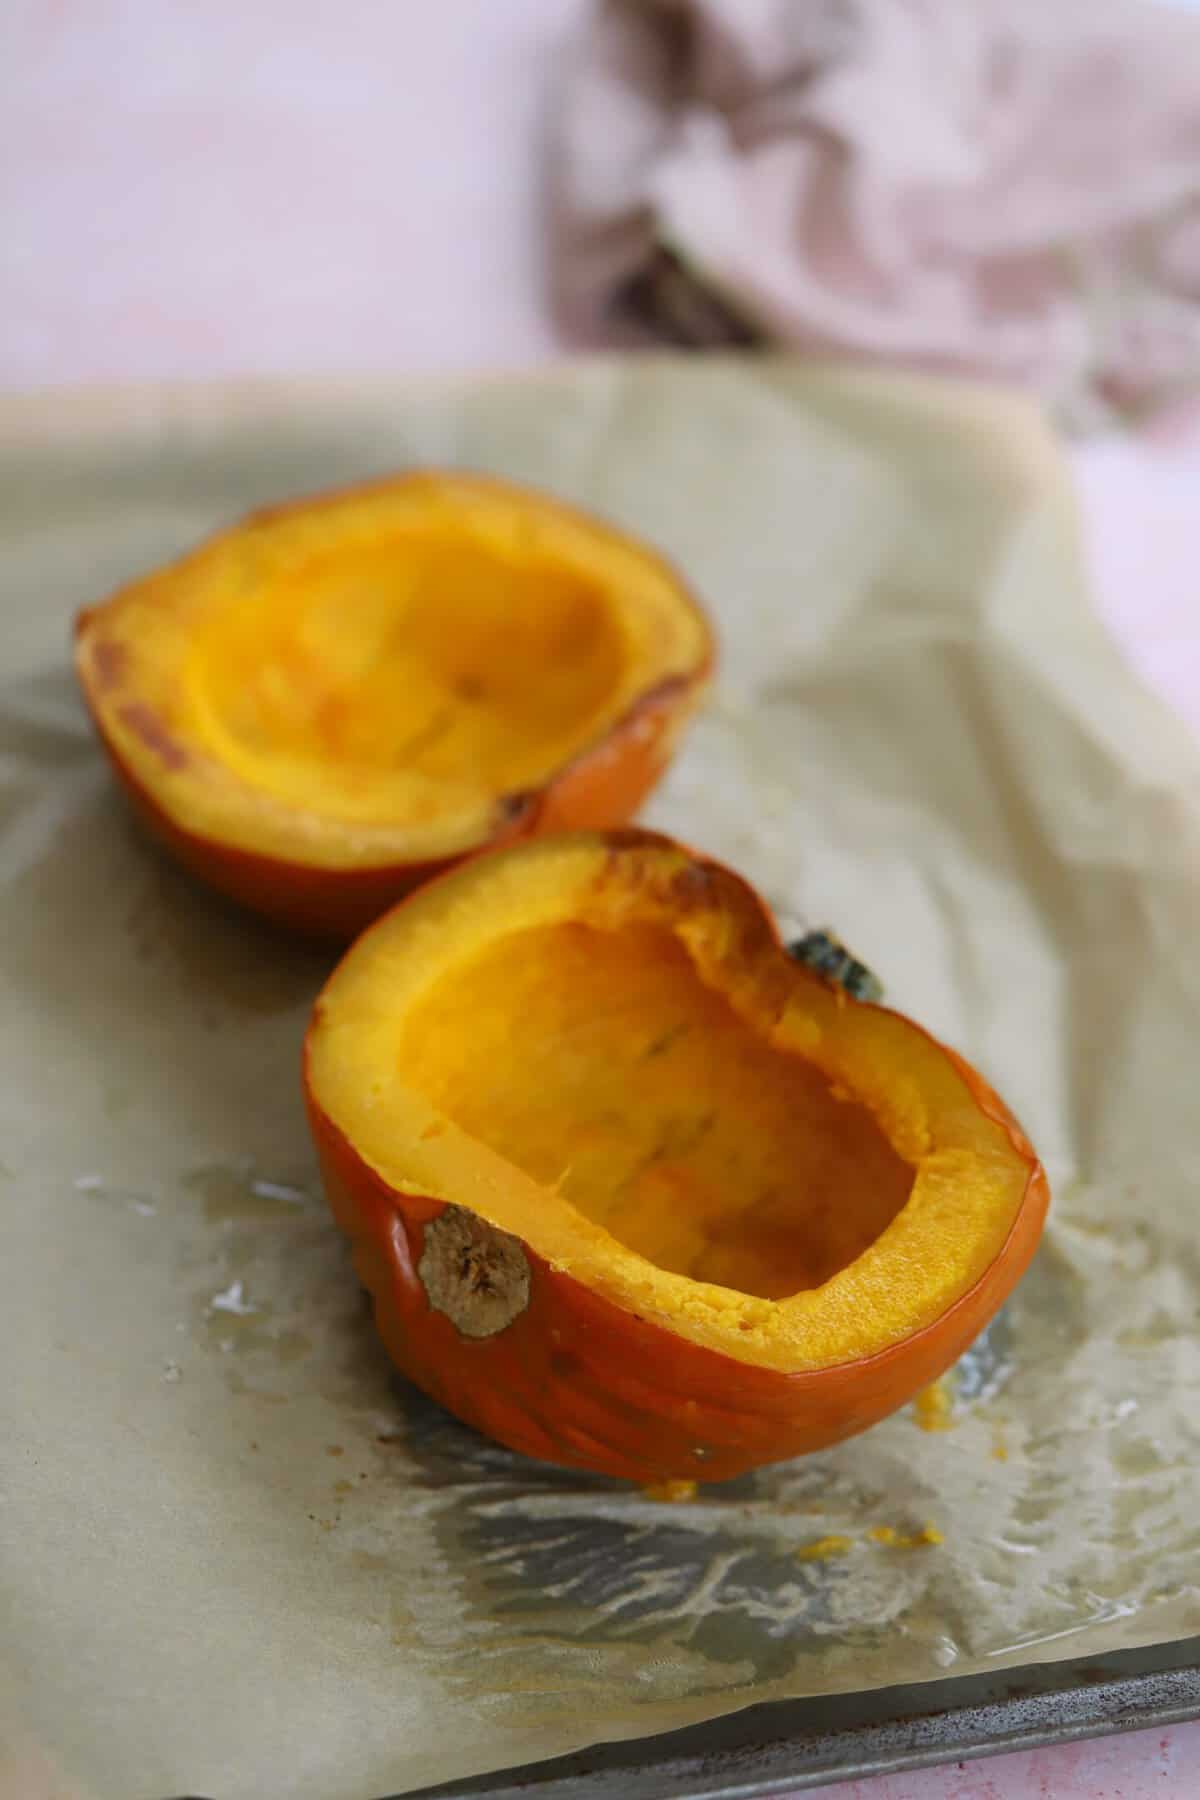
(238, 1556)
(789, 1746)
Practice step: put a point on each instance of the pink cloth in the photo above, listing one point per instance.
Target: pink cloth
(1010, 186)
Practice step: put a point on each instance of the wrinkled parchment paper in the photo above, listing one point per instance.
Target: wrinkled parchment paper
(240, 1558)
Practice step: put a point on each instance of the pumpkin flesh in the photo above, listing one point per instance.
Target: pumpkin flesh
(391, 678)
(596, 1048)
(640, 1098)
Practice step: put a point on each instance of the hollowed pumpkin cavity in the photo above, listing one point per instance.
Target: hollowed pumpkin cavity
(412, 675)
(599, 1063)
(330, 701)
(591, 1059)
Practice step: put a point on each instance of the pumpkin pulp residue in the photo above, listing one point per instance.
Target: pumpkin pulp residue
(824, 1549)
(934, 1407)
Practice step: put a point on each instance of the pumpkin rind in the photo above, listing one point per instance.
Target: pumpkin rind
(576, 1377)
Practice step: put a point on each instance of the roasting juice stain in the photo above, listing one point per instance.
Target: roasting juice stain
(722, 1577)
(273, 1300)
(267, 1272)
(545, 1554)
(233, 1321)
(233, 1193)
(540, 1551)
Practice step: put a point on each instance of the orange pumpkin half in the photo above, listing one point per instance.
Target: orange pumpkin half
(333, 700)
(634, 1190)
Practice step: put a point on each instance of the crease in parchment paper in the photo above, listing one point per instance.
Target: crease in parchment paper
(239, 1556)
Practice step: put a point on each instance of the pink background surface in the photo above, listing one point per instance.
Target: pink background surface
(195, 190)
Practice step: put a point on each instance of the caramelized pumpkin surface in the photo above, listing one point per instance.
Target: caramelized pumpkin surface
(632, 1188)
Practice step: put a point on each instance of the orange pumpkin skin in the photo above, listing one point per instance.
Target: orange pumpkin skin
(577, 1379)
(601, 789)
(598, 786)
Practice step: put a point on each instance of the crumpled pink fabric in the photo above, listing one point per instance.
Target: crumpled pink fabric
(1005, 186)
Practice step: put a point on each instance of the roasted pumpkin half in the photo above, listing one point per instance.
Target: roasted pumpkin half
(634, 1190)
(335, 699)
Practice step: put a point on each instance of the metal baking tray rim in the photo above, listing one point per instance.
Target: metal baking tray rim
(784, 1746)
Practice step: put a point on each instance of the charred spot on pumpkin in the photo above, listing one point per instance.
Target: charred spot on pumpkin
(690, 887)
(663, 1040)
(624, 838)
(475, 1274)
(149, 727)
(829, 958)
(512, 807)
(110, 661)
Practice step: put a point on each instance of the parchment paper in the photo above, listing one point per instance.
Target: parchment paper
(240, 1558)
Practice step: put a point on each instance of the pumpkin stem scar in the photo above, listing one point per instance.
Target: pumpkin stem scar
(474, 1273)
